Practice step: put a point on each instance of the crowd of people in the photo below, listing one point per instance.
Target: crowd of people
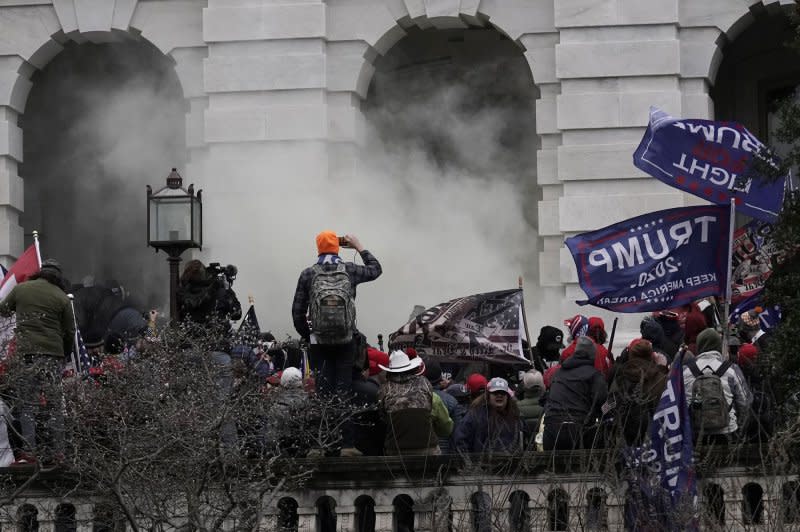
(577, 395)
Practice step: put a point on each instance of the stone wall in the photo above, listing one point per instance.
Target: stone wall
(279, 83)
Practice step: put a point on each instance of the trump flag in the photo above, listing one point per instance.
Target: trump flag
(655, 261)
(711, 160)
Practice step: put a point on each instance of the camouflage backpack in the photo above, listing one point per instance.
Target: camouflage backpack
(709, 408)
(332, 309)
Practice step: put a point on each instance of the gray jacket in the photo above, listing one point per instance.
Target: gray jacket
(737, 394)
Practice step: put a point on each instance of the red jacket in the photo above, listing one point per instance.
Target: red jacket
(602, 362)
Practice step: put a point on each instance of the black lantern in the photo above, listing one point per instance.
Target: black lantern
(174, 224)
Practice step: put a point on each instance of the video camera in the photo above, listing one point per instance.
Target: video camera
(228, 273)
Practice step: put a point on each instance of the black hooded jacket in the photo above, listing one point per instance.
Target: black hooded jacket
(578, 389)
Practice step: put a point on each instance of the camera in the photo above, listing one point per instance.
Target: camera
(218, 271)
(343, 243)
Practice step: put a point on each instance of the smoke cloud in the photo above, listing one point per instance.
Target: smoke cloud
(101, 122)
(443, 191)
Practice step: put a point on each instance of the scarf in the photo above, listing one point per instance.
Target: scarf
(328, 258)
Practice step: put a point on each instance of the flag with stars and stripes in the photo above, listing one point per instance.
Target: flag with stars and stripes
(83, 361)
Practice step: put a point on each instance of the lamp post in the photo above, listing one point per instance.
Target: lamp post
(174, 224)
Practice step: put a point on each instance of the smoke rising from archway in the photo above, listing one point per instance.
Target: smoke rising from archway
(101, 121)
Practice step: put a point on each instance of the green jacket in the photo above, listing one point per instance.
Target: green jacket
(45, 324)
(440, 419)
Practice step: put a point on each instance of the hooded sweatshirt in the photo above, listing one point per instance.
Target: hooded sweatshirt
(737, 394)
(578, 390)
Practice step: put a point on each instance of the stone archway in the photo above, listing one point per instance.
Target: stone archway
(101, 122)
(517, 36)
(35, 35)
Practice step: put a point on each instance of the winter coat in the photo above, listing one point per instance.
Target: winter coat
(206, 308)
(45, 324)
(405, 402)
(635, 393)
(530, 408)
(602, 360)
(481, 431)
(737, 393)
(578, 390)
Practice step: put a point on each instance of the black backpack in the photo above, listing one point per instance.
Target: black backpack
(709, 408)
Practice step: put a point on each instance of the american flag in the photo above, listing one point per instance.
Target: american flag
(84, 362)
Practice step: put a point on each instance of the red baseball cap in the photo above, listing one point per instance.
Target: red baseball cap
(476, 383)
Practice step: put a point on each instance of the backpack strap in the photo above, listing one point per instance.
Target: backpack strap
(723, 368)
(692, 365)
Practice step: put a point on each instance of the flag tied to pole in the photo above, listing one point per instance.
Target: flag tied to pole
(663, 485)
(480, 327)
(712, 160)
(84, 360)
(655, 261)
(769, 317)
(753, 251)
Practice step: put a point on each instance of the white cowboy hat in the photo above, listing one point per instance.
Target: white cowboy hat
(399, 362)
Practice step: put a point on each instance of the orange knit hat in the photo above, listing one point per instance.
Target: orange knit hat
(327, 242)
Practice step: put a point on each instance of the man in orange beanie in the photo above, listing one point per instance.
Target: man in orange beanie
(325, 295)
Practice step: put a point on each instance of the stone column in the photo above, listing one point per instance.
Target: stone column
(265, 127)
(614, 60)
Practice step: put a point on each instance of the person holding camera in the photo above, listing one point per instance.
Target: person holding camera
(207, 303)
(325, 296)
(206, 306)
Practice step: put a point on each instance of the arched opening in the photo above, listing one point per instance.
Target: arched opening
(790, 502)
(27, 518)
(326, 514)
(558, 509)
(365, 514)
(752, 504)
(64, 520)
(107, 519)
(520, 518)
(481, 504)
(714, 498)
(757, 71)
(403, 515)
(288, 520)
(596, 509)
(102, 121)
(451, 154)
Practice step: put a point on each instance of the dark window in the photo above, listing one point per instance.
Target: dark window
(27, 518)
(65, 518)
(107, 520)
(596, 510)
(481, 512)
(326, 514)
(791, 502)
(403, 513)
(714, 512)
(752, 504)
(558, 509)
(288, 519)
(365, 514)
(520, 517)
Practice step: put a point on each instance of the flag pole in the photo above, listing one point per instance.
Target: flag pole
(73, 356)
(728, 285)
(36, 243)
(525, 322)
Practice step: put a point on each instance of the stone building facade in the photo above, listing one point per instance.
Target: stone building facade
(281, 82)
(427, 494)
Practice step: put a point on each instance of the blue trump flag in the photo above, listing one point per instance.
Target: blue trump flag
(711, 160)
(655, 261)
(662, 484)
